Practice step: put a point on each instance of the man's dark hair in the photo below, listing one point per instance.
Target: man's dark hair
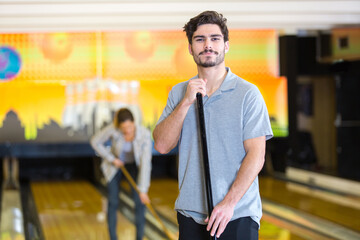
(207, 17)
(123, 115)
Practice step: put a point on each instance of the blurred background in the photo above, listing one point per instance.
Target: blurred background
(67, 66)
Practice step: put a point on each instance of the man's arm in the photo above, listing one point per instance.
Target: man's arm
(166, 134)
(250, 168)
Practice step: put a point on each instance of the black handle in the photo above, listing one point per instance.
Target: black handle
(203, 141)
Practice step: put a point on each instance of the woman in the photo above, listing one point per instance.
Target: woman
(130, 147)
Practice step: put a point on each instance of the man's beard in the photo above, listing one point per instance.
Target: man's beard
(207, 63)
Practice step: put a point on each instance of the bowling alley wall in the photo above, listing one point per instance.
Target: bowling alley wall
(63, 87)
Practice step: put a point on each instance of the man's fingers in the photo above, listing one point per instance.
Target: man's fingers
(221, 228)
(215, 226)
(198, 85)
(217, 222)
(199, 88)
(211, 221)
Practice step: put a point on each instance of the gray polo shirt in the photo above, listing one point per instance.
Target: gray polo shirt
(234, 113)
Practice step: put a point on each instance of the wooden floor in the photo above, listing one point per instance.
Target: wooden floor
(76, 210)
(342, 210)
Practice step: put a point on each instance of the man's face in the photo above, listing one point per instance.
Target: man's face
(208, 47)
(127, 128)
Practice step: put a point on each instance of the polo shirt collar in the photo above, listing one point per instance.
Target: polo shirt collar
(229, 81)
(228, 84)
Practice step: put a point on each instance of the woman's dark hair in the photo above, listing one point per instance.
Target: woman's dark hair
(207, 17)
(122, 115)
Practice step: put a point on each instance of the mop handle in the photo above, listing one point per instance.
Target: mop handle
(148, 205)
(200, 108)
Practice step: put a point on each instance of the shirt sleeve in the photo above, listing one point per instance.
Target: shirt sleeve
(175, 96)
(144, 175)
(256, 117)
(98, 143)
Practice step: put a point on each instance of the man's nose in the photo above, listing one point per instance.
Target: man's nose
(208, 44)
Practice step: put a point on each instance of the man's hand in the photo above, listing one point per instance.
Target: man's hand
(194, 86)
(118, 163)
(144, 198)
(220, 217)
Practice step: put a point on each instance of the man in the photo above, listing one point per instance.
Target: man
(237, 126)
(130, 147)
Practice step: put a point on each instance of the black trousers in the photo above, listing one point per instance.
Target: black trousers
(242, 228)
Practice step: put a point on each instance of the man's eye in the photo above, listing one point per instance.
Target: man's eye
(199, 39)
(215, 39)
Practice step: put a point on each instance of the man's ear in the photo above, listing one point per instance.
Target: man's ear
(227, 46)
(190, 50)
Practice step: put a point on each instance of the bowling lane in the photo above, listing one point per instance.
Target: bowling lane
(340, 209)
(75, 210)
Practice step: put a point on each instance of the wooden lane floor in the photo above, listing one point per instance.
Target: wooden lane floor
(163, 193)
(339, 209)
(75, 210)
